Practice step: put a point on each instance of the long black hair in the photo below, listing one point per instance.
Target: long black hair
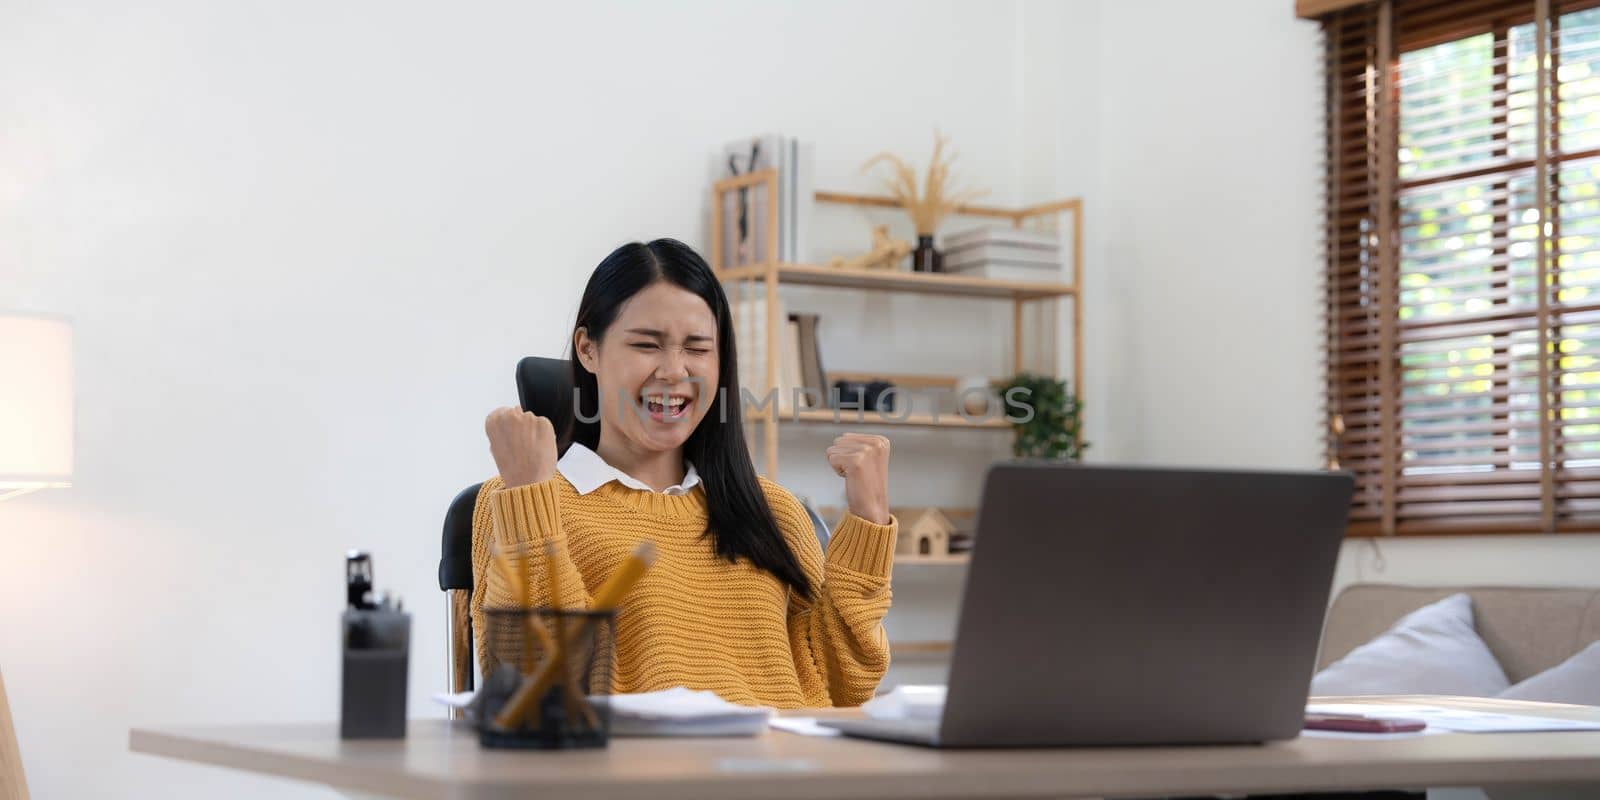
(741, 524)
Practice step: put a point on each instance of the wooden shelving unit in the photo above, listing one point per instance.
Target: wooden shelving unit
(952, 560)
(828, 416)
(771, 274)
(935, 650)
(915, 282)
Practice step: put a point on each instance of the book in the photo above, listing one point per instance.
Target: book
(750, 339)
(744, 212)
(745, 234)
(1002, 254)
(749, 336)
(785, 196)
(996, 234)
(805, 200)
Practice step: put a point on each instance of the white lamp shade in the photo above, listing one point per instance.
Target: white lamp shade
(36, 402)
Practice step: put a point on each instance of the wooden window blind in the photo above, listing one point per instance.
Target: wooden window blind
(1463, 264)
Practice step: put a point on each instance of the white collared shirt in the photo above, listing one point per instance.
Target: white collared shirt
(587, 471)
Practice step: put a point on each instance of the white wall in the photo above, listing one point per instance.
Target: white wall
(1204, 263)
(304, 244)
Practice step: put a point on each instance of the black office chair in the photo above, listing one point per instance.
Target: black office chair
(544, 387)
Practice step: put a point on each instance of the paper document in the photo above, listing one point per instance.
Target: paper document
(805, 726)
(907, 702)
(673, 712)
(683, 712)
(1457, 720)
(459, 701)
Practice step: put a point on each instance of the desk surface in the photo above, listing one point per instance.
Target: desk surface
(439, 759)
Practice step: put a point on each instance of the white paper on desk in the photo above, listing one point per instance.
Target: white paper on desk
(459, 701)
(679, 703)
(715, 726)
(805, 726)
(674, 712)
(907, 702)
(1455, 720)
(683, 712)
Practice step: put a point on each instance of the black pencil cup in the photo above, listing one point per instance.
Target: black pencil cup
(538, 695)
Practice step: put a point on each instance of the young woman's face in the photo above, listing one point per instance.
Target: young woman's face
(657, 366)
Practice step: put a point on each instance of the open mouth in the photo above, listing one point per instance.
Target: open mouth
(664, 407)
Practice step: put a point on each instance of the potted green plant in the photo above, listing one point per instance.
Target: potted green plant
(1052, 430)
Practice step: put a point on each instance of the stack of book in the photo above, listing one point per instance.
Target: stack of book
(1002, 253)
(744, 213)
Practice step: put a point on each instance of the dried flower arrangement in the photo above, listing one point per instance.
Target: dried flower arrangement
(936, 198)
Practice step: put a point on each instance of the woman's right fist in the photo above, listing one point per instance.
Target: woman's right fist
(523, 445)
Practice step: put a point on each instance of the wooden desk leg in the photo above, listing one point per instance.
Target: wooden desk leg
(13, 784)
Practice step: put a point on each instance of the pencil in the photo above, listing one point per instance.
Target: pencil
(518, 585)
(607, 598)
(570, 699)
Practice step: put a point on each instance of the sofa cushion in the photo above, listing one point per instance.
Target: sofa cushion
(1529, 630)
(1576, 680)
(1433, 650)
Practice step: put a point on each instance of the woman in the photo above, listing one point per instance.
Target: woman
(742, 601)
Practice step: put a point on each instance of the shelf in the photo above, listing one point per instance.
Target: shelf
(852, 417)
(771, 272)
(953, 560)
(896, 281)
(905, 380)
(924, 649)
(964, 517)
(1016, 215)
(881, 201)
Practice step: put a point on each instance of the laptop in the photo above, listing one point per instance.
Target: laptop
(1136, 606)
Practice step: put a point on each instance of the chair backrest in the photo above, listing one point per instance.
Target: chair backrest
(455, 578)
(541, 386)
(544, 387)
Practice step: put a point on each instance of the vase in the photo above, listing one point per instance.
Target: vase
(976, 397)
(925, 258)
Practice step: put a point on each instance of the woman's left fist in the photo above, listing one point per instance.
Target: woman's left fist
(862, 459)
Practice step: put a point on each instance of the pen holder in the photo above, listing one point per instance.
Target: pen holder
(377, 649)
(558, 715)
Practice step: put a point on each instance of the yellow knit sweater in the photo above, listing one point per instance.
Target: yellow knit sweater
(696, 620)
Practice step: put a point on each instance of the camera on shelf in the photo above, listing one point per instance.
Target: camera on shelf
(863, 395)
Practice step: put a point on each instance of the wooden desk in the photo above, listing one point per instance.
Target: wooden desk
(441, 760)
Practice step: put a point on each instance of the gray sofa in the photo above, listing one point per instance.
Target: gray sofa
(1528, 630)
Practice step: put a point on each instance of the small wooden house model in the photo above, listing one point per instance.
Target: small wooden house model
(924, 532)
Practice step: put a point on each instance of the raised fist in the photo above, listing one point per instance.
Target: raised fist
(862, 459)
(523, 445)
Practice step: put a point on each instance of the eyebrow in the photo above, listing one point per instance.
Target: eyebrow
(693, 337)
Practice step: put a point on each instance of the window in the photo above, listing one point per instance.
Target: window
(1463, 264)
